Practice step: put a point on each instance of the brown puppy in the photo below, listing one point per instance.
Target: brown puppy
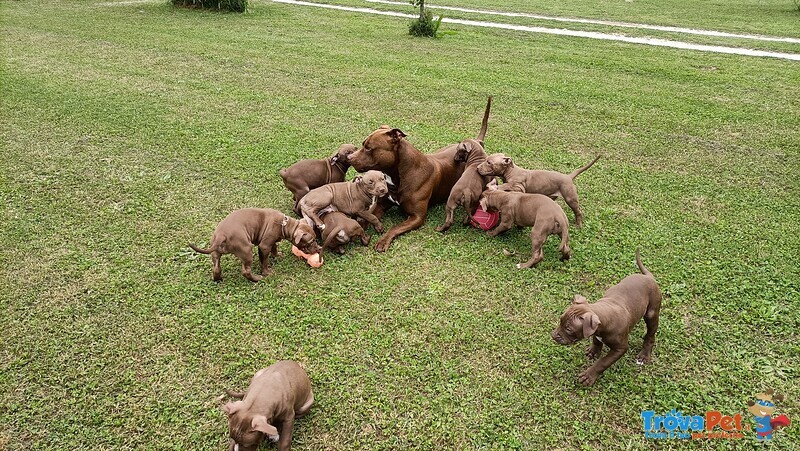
(339, 230)
(355, 198)
(610, 320)
(276, 396)
(263, 227)
(469, 187)
(421, 179)
(305, 175)
(549, 183)
(541, 212)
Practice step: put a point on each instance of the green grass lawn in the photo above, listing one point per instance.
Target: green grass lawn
(131, 130)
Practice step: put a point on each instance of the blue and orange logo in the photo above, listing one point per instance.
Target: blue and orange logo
(714, 424)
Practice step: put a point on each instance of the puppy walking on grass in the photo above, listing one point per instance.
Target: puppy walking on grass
(542, 213)
(262, 227)
(610, 320)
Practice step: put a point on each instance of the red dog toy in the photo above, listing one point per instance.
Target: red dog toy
(485, 220)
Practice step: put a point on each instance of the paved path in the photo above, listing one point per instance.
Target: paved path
(565, 32)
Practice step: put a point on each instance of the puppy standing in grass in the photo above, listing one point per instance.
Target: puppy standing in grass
(470, 185)
(542, 213)
(305, 175)
(610, 320)
(353, 198)
(262, 227)
(549, 183)
(276, 396)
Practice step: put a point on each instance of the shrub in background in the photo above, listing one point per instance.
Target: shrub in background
(237, 6)
(425, 26)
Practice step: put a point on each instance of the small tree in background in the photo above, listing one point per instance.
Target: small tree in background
(424, 26)
(237, 6)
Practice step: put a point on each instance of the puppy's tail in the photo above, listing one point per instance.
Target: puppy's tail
(204, 251)
(578, 171)
(485, 122)
(639, 263)
(233, 394)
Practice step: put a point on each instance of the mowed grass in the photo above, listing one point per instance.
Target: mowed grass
(129, 131)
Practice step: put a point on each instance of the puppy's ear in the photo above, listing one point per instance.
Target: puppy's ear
(358, 179)
(260, 424)
(508, 161)
(384, 127)
(590, 324)
(396, 134)
(578, 299)
(492, 182)
(491, 187)
(462, 147)
(232, 407)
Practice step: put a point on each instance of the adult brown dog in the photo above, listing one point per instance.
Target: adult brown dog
(276, 396)
(305, 175)
(610, 320)
(469, 186)
(262, 227)
(549, 183)
(420, 179)
(542, 213)
(358, 197)
(340, 230)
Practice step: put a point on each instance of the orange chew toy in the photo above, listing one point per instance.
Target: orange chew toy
(313, 260)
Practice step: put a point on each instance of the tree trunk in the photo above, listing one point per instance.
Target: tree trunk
(421, 10)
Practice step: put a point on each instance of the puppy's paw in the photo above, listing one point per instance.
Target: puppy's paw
(321, 227)
(593, 353)
(587, 378)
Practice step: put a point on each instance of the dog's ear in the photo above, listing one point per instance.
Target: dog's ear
(232, 407)
(462, 147)
(335, 158)
(384, 127)
(590, 324)
(492, 182)
(358, 179)
(578, 299)
(508, 161)
(491, 187)
(260, 424)
(395, 134)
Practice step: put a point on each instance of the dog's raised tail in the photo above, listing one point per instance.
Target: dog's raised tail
(639, 263)
(485, 122)
(201, 250)
(578, 171)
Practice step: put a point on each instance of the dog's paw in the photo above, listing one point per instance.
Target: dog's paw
(383, 244)
(643, 359)
(321, 227)
(587, 378)
(592, 354)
